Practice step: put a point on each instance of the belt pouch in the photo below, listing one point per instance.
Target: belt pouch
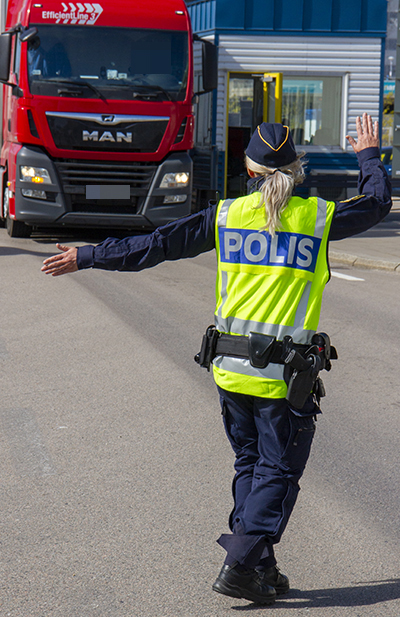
(261, 349)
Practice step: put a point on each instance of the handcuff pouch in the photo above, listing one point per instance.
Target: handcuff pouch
(261, 349)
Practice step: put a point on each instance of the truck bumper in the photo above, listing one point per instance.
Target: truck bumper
(68, 200)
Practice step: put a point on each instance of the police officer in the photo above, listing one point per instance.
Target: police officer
(272, 268)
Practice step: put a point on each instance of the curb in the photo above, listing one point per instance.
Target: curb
(364, 262)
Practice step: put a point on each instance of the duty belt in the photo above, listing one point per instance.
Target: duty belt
(262, 349)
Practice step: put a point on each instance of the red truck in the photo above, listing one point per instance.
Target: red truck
(97, 113)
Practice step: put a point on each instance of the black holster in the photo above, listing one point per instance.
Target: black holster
(305, 380)
(207, 350)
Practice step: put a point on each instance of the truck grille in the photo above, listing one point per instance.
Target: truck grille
(75, 175)
(117, 133)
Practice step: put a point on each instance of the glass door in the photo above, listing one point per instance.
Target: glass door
(252, 99)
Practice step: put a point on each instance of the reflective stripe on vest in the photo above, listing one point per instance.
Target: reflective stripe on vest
(253, 267)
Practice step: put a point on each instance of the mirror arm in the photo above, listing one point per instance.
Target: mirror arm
(14, 29)
(17, 91)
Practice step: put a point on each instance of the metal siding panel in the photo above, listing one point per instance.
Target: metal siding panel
(230, 14)
(288, 15)
(357, 16)
(202, 15)
(259, 14)
(209, 15)
(346, 15)
(317, 15)
(190, 13)
(374, 15)
(198, 16)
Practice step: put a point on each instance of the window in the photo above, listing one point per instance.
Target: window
(245, 101)
(311, 107)
(116, 63)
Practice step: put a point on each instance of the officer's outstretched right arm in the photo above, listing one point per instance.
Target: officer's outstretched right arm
(186, 237)
(373, 203)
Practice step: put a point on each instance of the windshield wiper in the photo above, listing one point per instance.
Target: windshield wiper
(150, 89)
(78, 82)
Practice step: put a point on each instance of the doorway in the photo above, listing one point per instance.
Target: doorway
(252, 99)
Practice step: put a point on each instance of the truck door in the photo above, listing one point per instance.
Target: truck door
(252, 98)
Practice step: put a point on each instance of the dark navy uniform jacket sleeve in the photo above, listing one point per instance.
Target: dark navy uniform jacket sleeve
(373, 203)
(185, 237)
(195, 234)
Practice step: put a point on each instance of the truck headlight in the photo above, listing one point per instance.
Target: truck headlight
(175, 181)
(38, 175)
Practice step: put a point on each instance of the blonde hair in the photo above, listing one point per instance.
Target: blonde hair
(277, 188)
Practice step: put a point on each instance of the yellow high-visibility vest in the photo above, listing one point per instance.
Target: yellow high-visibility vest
(271, 285)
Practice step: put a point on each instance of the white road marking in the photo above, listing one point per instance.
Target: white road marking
(346, 277)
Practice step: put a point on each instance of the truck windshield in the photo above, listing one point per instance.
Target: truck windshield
(111, 63)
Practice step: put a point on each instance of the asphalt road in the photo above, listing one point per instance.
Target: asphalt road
(115, 472)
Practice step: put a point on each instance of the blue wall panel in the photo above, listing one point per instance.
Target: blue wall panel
(363, 17)
(288, 15)
(346, 15)
(317, 15)
(373, 15)
(230, 14)
(259, 14)
(202, 14)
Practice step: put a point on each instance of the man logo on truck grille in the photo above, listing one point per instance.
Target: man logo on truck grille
(78, 13)
(107, 136)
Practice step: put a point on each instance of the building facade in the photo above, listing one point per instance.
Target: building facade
(313, 64)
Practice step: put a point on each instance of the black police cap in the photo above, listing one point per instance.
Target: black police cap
(271, 145)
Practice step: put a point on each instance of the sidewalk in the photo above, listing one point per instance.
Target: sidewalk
(377, 248)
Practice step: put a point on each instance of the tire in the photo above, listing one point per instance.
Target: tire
(15, 229)
(3, 205)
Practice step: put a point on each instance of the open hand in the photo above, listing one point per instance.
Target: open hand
(63, 263)
(367, 134)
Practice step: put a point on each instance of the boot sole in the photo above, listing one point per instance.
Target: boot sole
(238, 592)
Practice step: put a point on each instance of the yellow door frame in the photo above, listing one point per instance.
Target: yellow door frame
(278, 79)
(268, 77)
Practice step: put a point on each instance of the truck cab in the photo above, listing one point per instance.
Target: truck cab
(97, 114)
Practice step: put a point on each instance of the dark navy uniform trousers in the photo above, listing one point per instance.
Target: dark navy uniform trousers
(271, 441)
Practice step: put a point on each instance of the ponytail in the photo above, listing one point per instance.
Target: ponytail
(277, 188)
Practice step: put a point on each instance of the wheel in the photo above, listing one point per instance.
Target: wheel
(15, 229)
(3, 205)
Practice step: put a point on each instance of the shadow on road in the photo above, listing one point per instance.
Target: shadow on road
(47, 237)
(88, 236)
(361, 594)
(7, 251)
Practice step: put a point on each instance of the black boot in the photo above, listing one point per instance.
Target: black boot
(276, 579)
(237, 583)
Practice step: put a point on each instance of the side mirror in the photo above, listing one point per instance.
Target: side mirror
(209, 58)
(5, 56)
(28, 34)
(210, 66)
